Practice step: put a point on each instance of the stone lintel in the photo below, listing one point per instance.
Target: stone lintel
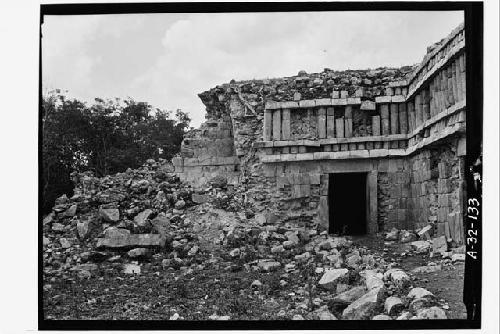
(397, 99)
(307, 103)
(339, 102)
(368, 105)
(323, 102)
(383, 99)
(272, 105)
(353, 100)
(288, 104)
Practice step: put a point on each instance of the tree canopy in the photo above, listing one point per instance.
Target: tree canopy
(105, 137)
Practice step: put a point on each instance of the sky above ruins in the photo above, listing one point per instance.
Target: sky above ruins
(167, 59)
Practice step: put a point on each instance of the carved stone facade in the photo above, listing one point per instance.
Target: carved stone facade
(400, 130)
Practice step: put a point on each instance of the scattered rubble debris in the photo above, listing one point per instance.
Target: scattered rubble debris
(145, 222)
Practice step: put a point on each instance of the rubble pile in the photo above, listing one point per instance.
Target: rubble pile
(146, 221)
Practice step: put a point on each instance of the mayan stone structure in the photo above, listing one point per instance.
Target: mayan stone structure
(389, 140)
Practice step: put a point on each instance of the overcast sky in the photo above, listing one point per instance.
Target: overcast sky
(167, 59)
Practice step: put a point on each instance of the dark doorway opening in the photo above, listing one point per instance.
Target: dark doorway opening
(347, 201)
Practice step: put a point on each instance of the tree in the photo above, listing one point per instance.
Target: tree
(106, 137)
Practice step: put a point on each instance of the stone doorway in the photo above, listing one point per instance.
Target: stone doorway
(348, 203)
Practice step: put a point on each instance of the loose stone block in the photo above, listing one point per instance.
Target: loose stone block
(277, 124)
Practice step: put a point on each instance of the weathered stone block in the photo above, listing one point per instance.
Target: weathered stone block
(307, 104)
(368, 105)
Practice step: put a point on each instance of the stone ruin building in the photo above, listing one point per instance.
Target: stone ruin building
(355, 151)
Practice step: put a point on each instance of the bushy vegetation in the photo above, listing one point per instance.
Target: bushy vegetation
(105, 137)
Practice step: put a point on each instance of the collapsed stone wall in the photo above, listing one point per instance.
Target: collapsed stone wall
(394, 124)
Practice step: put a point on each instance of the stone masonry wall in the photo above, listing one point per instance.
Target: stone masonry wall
(403, 127)
(438, 188)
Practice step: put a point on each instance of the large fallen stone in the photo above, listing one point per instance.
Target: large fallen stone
(161, 224)
(267, 265)
(393, 305)
(293, 237)
(458, 257)
(347, 297)
(373, 280)
(57, 227)
(141, 218)
(426, 269)
(397, 276)
(439, 245)
(48, 218)
(324, 314)
(392, 235)
(83, 229)
(180, 204)
(121, 238)
(425, 231)
(111, 215)
(433, 312)
(138, 253)
(407, 236)
(71, 211)
(418, 304)
(419, 293)
(200, 198)
(382, 317)
(65, 243)
(131, 268)
(364, 307)
(331, 277)
(353, 260)
(420, 245)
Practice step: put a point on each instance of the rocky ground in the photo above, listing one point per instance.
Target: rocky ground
(141, 245)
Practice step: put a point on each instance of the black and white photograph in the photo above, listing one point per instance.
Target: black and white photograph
(255, 166)
(295, 166)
